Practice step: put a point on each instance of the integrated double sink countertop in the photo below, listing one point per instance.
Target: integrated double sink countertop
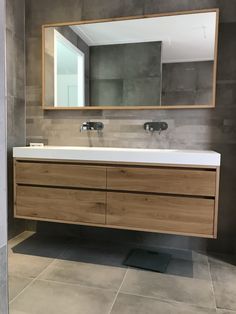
(130, 155)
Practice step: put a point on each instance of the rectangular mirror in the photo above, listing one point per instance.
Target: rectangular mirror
(165, 61)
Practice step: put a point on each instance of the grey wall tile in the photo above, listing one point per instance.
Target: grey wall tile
(126, 74)
(152, 6)
(226, 52)
(106, 92)
(46, 12)
(107, 62)
(142, 91)
(16, 123)
(95, 9)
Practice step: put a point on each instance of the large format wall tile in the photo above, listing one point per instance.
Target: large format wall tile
(16, 118)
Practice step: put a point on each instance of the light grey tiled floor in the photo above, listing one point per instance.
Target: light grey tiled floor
(65, 276)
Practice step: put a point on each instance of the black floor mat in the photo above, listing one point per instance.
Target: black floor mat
(148, 260)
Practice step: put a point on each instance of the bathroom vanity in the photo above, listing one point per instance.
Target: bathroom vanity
(166, 191)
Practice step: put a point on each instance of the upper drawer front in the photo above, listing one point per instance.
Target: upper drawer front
(170, 214)
(157, 180)
(68, 205)
(57, 174)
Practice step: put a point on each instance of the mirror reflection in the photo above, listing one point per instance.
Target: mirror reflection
(155, 61)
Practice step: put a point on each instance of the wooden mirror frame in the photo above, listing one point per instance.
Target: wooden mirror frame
(164, 107)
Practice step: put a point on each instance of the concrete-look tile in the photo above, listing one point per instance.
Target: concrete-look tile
(27, 265)
(106, 92)
(224, 283)
(134, 92)
(227, 11)
(98, 276)
(224, 260)
(33, 50)
(54, 298)
(153, 6)
(30, 257)
(225, 312)
(107, 62)
(130, 304)
(226, 52)
(16, 285)
(43, 12)
(95, 9)
(163, 286)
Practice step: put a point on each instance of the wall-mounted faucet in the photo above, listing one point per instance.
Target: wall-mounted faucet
(92, 126)
(155, 126)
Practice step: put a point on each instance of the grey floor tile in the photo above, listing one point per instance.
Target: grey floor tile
(225, 312)
(130, 304)
(16, 285)
(30, 257)
(172, 287)
(88, 274)
(28, 266)
(224, 283)
(222, 259)
(56, 298)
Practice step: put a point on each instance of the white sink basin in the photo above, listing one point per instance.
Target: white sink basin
(107, 154)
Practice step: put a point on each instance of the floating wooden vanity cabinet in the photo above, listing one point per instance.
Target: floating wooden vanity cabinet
(158, 198)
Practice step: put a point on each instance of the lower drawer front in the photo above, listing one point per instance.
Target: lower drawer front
(64, 205)
(168, 214)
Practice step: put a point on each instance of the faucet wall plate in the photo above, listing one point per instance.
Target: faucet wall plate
(92, 126)
(155, 126)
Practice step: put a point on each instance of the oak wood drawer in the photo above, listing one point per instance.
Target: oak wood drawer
(197, 182)
(169, 214)
(60, 174)
(68, 205)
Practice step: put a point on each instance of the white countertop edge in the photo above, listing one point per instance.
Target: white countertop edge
(135, 155)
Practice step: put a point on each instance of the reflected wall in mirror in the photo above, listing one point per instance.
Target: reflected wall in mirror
(155, 62)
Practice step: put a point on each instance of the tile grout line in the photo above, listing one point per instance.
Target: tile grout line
(212, 285)
(118, 291)
(164, 300)
(76, 285)
(33, 280)
(37, 277)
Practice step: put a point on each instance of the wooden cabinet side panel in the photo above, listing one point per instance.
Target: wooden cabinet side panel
(155, 212)
(60, 204)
